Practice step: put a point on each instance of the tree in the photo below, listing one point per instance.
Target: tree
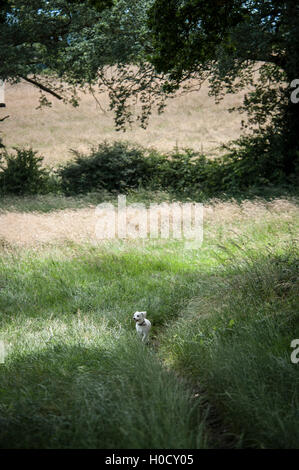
(60, 45)
(37, 34)
(238, 44)
(147, 50)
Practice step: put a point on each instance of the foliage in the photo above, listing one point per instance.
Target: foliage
(143, 51)
(120, 166)
(123, 167)
(22, 173)
(247, 165)
(240, 44)
(185, 34)
(60, 45)
(256, 161)
(188, 173)
(113, 167)
(113, 58)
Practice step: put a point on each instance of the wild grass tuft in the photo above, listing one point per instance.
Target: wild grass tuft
(235, 340)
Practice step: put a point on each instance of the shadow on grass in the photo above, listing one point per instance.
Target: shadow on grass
(54, 202)
(113, 396)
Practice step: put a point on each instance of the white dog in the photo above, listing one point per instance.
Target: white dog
(143, 325)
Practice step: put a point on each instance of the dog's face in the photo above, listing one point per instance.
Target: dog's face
(139, 316)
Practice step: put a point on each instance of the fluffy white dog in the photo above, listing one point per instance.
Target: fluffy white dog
(143, 325)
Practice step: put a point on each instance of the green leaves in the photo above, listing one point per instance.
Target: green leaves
(114, 167)
(103, 44)
(22, 173)
(186, 33)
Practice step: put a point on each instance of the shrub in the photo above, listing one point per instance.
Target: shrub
(255, 161)
(120, 166)
(114, 167)
(22, 173)
(248, 165)
(190, 174)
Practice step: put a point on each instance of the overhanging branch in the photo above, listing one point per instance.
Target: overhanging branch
(42, 87)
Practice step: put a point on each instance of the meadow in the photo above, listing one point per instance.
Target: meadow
(192, 120)
(217, 372)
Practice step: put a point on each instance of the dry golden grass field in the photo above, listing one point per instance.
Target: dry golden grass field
(190, 120)
(78, 225)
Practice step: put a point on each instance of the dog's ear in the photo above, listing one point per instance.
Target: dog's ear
(144, 314)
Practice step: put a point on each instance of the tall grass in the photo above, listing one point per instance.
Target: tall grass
(235, 339)
(75, 375)
(192, 120)
(93, 386)
(223, 317)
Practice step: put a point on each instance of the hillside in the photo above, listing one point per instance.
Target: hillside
(192, 120)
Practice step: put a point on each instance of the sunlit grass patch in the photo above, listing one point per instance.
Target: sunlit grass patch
(112, 284)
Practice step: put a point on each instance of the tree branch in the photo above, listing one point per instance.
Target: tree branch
(42, 87)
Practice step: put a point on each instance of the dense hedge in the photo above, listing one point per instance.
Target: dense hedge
(120, 166)
(114, 167)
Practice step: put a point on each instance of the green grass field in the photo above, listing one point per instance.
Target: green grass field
(217, 370)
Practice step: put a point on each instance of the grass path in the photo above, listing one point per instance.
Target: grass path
(76, 376)
(75, 362)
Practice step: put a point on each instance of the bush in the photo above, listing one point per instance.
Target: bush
(256, 160)
(120, 167)
(114, 167)
(22, 173)
(249, 165)
(187, 173)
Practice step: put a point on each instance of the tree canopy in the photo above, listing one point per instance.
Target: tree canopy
(37, 35)
(239, 44)
(60, 45)
(147, 49)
